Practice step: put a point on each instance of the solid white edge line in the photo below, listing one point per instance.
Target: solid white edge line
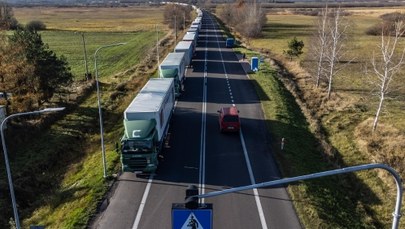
(142, 204)
(253, 181)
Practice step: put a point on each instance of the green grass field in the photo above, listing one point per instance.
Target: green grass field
(100, 26)
(109, 60)
(93, 19)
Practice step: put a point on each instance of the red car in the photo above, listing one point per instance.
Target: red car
(229, 119)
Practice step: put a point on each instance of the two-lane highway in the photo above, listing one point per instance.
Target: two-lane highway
(197, 153)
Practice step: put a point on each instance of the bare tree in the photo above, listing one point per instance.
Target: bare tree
(337, 31)
(7, 19)
(387, 65)
(320, 44)
(225, 12)
(253, 20)
(176, 15)
(248, 19)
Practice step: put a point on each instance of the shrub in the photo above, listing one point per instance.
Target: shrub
(308, 12)
(14, 25)
(393, 17)
(36, 26)
(295, 48)
(388, 24)
(374, 31)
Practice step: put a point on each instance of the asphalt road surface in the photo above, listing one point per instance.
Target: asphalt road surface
(199, 154)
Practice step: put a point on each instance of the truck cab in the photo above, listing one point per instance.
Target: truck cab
(139, 146)
(146, 124)
(229, 119)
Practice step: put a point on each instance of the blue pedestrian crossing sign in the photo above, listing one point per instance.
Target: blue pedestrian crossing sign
(200, 218)
(192, 222)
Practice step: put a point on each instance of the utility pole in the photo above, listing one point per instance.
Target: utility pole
(175, 29)
(157, 48)
(88, 75)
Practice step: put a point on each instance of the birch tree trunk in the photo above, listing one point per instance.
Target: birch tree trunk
(388, 66)
(335, 35)
(322, 41)
(377, 114)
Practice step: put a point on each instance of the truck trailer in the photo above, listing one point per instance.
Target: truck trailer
(193, 30)
(186, 47)
(174, 66)
(191, 37)
(146, 123)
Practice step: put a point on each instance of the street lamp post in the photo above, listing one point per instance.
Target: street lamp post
(99, 105)
(3, 142)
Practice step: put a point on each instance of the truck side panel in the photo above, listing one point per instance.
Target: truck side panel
(187, 48)
(166, 113)
(191, 37)
(154, 101)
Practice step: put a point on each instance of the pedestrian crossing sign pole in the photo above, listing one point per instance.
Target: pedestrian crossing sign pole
(191, 214)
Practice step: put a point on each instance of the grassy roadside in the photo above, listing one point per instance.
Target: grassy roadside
(76, 173)
(320, 203)
(360, 200)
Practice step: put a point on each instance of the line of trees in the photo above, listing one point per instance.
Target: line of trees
(176, 15)
(328, 46)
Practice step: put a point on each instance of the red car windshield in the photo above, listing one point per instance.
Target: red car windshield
(230, 118)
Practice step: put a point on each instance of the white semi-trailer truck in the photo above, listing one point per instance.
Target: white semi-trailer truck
(146, 123)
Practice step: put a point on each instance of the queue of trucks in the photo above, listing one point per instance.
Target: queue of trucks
(147, 118)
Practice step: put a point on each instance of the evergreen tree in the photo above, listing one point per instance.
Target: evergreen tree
(294, 48)
(50, 72)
